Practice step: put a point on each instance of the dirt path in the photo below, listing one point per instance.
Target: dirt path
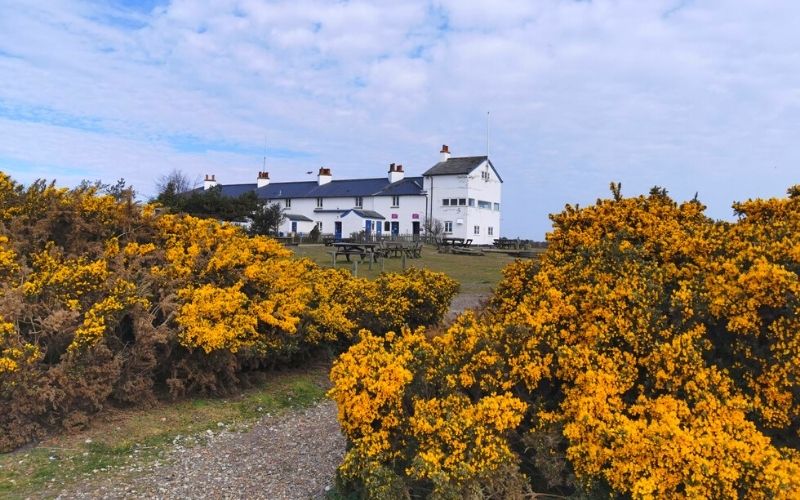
(289, 456)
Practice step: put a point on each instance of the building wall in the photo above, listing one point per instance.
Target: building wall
(410, 209)
(464, 218)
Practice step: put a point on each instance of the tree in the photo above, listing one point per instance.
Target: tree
(267, 219)
(433, 227)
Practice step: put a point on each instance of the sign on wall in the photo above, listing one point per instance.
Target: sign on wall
(395, 216)
(415, 216)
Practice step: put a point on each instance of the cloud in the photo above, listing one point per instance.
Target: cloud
(693, 96)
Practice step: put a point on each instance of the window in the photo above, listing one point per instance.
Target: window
(490, 231)
(359, 201)
(319, 204)
(497, 207)
(486, 176)
(288, 202)
(472, 202)
(387, 226)
(453, 202)
(319, 226)
(476, 230)
(395, 201)
(448, 226)
(446, 202)
(485, 204)
(462, 202)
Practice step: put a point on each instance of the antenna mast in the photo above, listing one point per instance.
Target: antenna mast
(487, 134)
(264, 165)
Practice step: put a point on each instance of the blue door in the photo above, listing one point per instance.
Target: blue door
(294, 226)
(395, 228)
(337, 230)
(368, 227)
(378, 227)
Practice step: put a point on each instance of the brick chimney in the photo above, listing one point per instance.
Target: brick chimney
(209, 182)
(324, 176)
(445, 152)
(395, 173)
(262, 180)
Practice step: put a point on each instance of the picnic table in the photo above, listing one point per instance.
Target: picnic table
(399, 248)
(446, 244)
(347, 249)
(506, 243)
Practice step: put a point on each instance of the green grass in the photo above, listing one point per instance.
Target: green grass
(136, 437)
(476, 273)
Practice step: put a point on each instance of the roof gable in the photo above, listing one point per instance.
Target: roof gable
(460, 166)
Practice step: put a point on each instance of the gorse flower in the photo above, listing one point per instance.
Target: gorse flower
(652, 352)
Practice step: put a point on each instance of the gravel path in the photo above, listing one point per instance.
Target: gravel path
(290, 456)
(293, 455)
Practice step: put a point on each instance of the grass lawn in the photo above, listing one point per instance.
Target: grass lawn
(476, 273)
(119, 439)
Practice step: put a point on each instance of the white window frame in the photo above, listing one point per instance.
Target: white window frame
(445, 202)
(490, 231)
(395, 201)
(476, 230)
(359, 202)
(448, 226)
(319, 202)
(287, 202)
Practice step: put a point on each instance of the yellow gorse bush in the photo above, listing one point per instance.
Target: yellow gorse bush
(651, 353)
(104, 300)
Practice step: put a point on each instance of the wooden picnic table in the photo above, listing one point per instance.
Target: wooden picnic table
(411, 249)
(348, 249)
(453, 242)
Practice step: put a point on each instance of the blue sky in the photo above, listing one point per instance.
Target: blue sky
(694, 96)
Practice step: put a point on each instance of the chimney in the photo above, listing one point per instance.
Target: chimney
(445, 152)
(395, 173)
(209, 182)
(324, 176)
(262, 180)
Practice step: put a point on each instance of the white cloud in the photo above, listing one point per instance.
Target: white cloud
(694, 96)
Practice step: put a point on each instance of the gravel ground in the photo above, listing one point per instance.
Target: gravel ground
(293, 455)
(290, 456)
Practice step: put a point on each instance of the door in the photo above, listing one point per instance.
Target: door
(415, 229)
(378, 227)
(337, 230)
(368, 228)
(294, 226)
(395, 228)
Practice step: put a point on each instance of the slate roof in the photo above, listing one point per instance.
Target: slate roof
(459, 166)
(298, 217)
(232, 190)
(364, 214)
(341, 188)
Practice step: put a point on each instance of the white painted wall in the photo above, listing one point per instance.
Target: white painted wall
(464, 218)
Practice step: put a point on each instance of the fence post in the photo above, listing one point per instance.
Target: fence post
(355, 268)
(404, 260)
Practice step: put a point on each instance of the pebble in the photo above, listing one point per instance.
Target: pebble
(292, 455)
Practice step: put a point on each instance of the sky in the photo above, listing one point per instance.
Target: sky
(693, 96)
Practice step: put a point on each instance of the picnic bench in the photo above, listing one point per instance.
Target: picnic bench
(347, 249)
(411, 250)
(506, 243)
(447, 245)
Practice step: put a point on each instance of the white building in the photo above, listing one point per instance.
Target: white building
(463, 193)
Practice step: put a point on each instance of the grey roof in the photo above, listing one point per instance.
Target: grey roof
(298, 217)
(232, 190)
(341, 188)
(459, 166)
(364, 214)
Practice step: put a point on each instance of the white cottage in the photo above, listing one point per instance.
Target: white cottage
(464, 193)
